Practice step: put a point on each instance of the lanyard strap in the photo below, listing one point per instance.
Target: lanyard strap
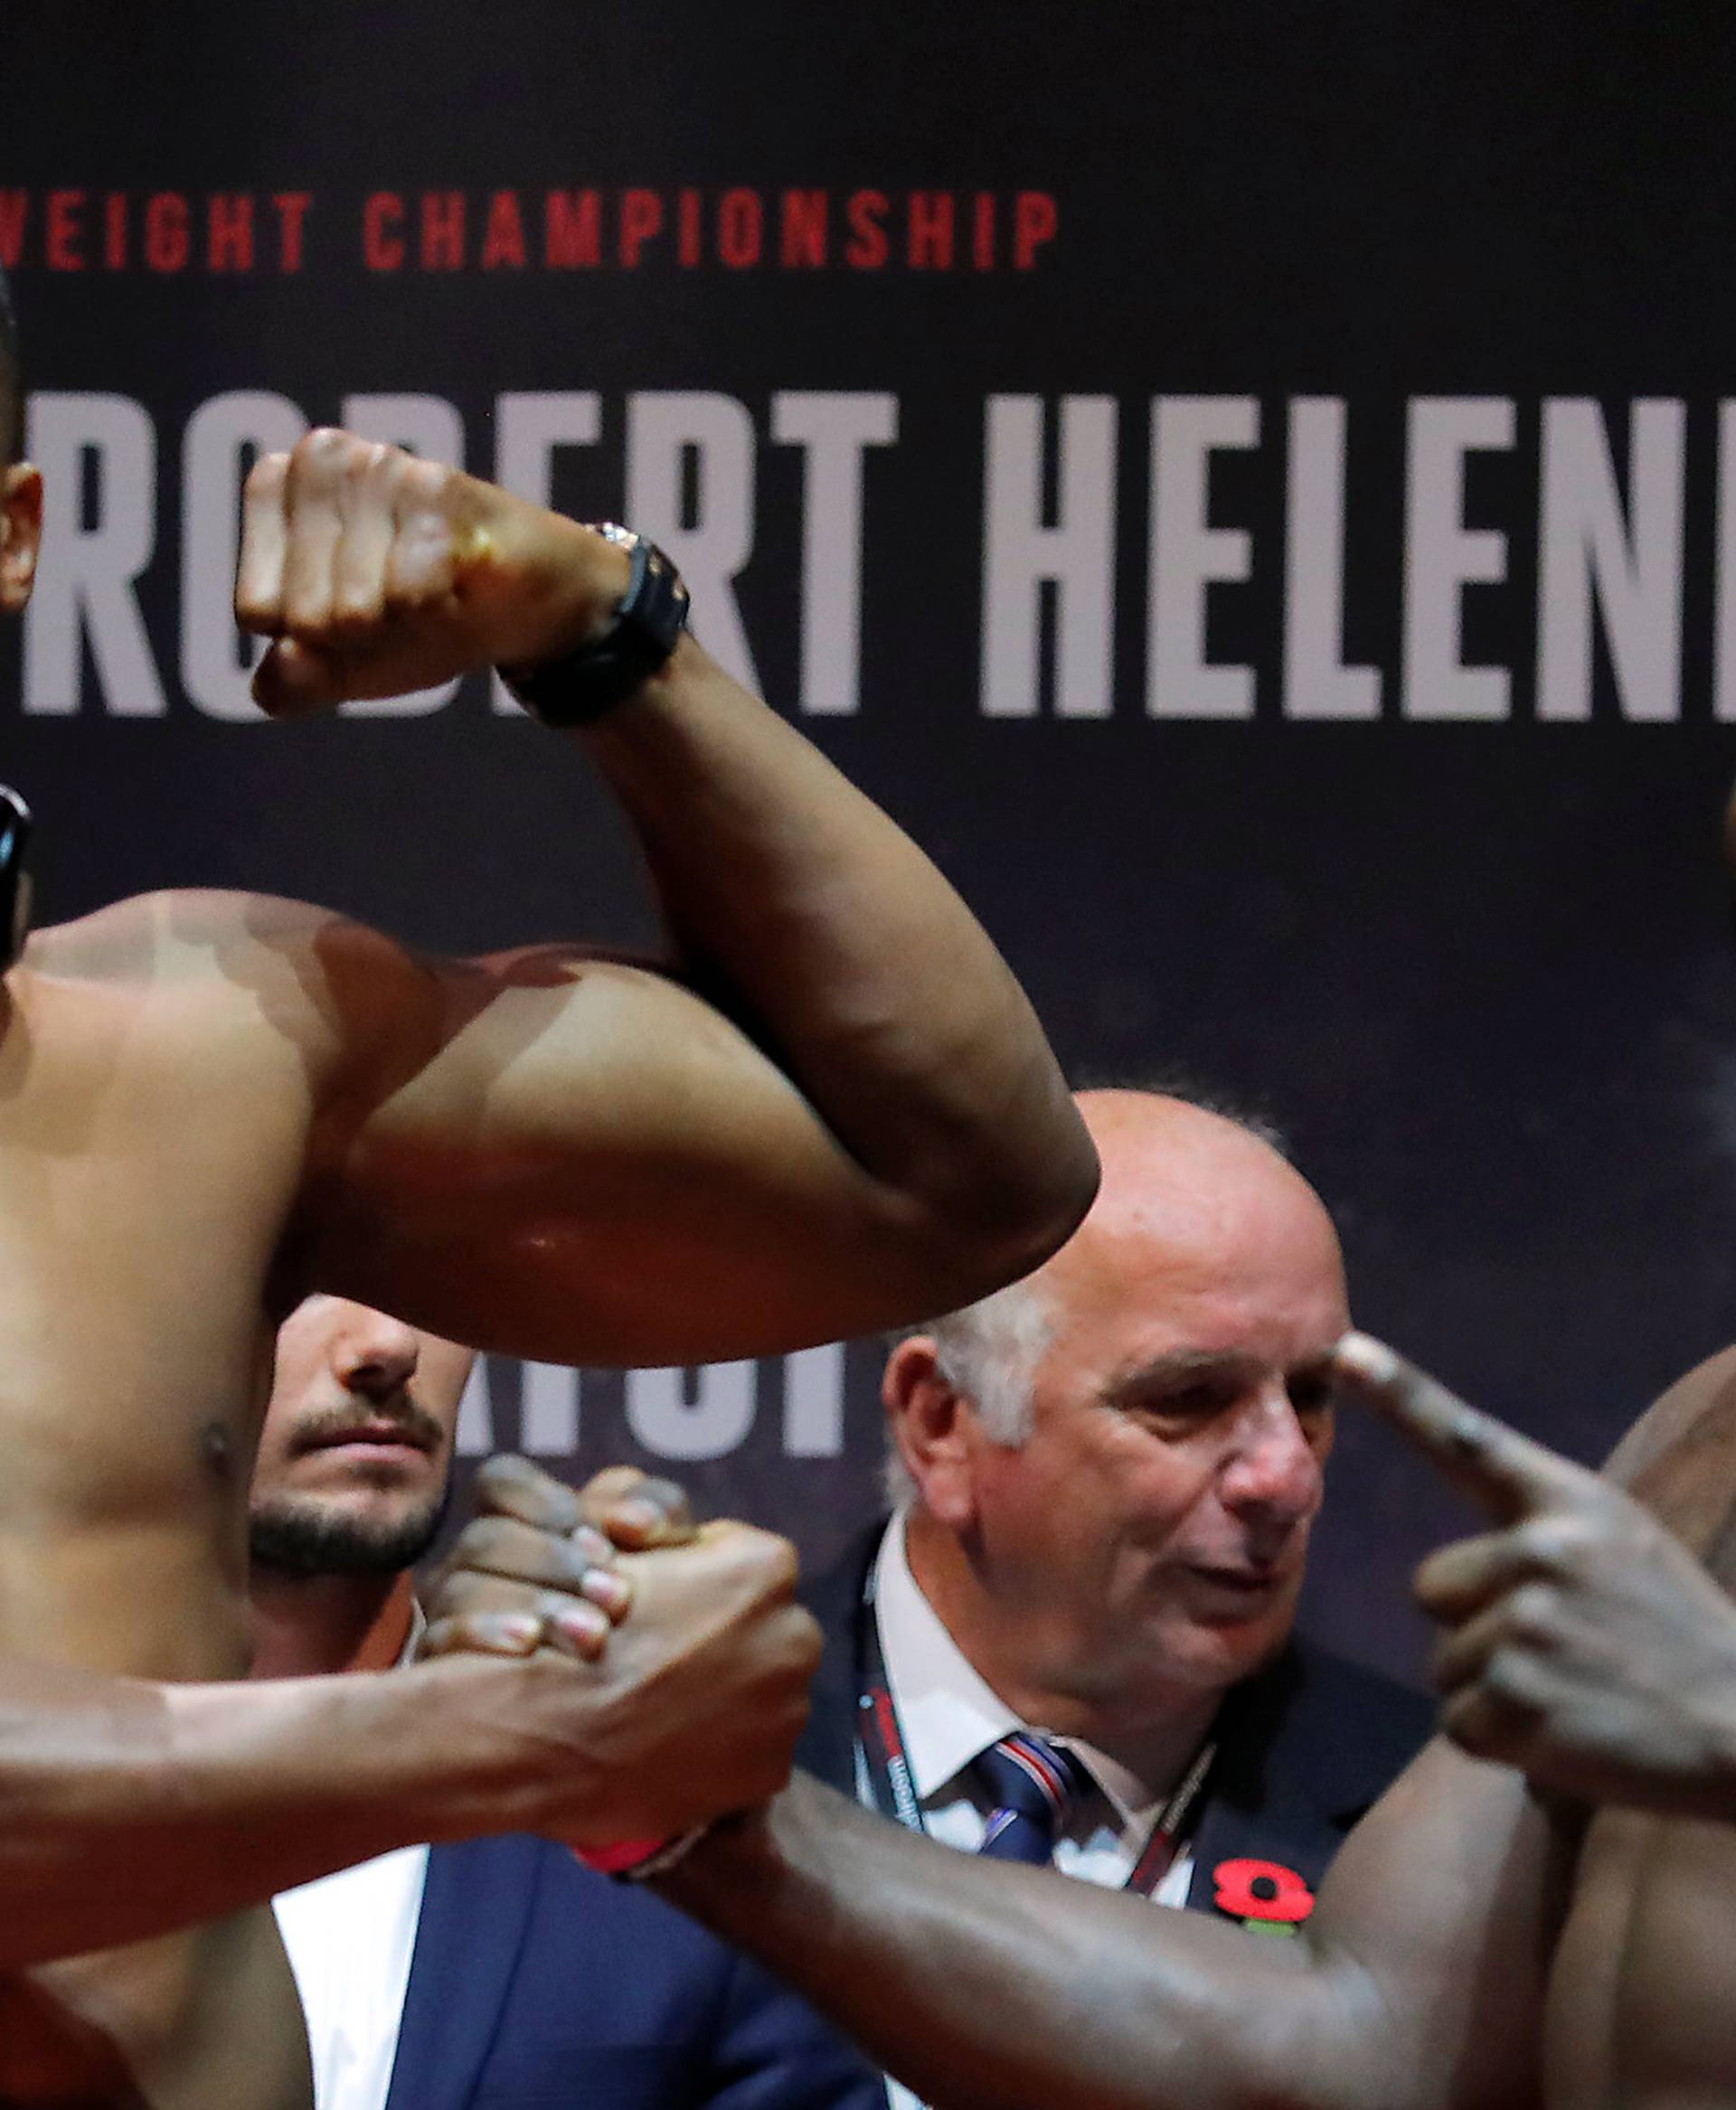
(879, 1738)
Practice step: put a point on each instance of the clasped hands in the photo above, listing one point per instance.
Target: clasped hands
(672, 1661)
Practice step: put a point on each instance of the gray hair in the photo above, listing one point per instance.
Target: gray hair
(988, 1351)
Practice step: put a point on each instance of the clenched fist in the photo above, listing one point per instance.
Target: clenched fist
(377, 573)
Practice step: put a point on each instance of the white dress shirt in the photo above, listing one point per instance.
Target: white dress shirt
(948, 1717)
(350, 1938)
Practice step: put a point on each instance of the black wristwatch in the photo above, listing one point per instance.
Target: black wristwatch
(579, 686)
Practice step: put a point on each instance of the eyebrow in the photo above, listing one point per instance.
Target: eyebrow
(1182, 1367)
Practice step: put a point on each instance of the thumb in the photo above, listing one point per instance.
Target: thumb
(297, 681)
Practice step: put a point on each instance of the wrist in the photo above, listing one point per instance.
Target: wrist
(589, 595)
(612, 655)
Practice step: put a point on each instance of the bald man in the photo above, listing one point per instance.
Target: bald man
(1107, 1476)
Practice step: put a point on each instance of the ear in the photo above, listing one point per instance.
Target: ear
(21, 535)
(930, 1423)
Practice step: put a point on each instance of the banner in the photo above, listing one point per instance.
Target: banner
(1255, 496)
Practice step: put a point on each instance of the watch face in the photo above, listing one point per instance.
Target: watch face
(14, 876)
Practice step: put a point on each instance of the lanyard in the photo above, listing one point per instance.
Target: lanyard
(880, 1738)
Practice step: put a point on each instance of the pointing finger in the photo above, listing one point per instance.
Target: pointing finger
(1508, 1474)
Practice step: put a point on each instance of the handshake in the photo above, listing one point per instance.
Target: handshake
(636, 1677)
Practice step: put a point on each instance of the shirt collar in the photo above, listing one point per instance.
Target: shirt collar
(949, 1713)
(413, 1639)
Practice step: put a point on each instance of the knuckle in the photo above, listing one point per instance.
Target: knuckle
(1509, 1677)
(668, 1494)
(326, 446)
(783, 1565)
(355, 609)
(806, 1647)
(612, 1483)
(265, 478)
(505, 1469)
(1535, 1614)
(1544, 1545)
(479, 1542)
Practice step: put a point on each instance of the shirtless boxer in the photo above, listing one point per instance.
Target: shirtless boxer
(1481, 1943)
(212, 1105)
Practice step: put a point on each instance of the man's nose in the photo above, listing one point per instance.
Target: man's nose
(1271, 1474)
(373, 1354)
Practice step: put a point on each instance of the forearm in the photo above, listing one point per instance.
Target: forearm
(806, 913)
(129, 1809)
(979, 1985)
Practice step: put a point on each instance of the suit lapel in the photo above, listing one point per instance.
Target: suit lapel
(1307, 1745)
(828, 1745)
(475, 1911)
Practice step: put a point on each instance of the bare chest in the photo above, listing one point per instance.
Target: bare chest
(144, 1185)
(1642, 2004)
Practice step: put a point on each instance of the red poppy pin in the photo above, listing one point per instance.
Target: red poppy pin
(1264, 1895)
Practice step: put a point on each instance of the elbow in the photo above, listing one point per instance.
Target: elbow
(1005, 1226)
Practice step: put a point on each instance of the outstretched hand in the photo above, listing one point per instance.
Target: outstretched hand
(1582, 1643)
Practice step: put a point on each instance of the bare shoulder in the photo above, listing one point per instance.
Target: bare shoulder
(176, 934)
(251, 962)
(1679, 1458)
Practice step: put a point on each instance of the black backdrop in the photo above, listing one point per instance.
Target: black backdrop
(1467, 946)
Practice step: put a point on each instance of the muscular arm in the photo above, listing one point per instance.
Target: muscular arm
(837, 1109)
(131, 1808)
(1416, 1984)
(208, 1797)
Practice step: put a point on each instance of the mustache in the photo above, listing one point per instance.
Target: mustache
(402, 1414)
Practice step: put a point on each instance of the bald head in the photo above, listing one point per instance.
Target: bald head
(1189, 1197)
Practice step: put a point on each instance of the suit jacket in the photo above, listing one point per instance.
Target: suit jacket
(537, 1984)
(1304, 1748)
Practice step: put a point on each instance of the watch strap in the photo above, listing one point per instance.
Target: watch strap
(580, 685)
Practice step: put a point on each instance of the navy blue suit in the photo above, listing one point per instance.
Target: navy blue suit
(537, 1984)
(1304, 1748)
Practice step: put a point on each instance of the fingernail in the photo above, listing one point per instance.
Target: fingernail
(591, 1546)
(523, 1629)
(606, 1589)
(1364, 1357)
(637, 1514)
(581, 1625)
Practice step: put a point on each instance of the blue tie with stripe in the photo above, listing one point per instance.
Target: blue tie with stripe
(1033, 1786)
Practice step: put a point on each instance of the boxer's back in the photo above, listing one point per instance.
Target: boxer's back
(153, 1113)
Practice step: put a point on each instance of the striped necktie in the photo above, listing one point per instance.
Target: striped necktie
(1033, 1785)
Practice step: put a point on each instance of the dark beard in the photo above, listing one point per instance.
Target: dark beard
(306, 1540)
